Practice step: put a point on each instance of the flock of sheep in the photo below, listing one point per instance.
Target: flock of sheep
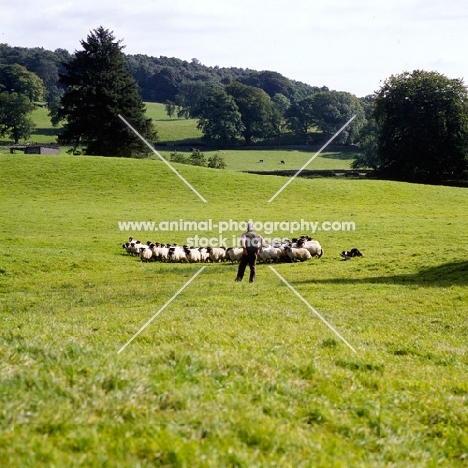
(296, 250)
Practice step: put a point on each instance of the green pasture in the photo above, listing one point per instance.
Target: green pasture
(183, 132)
(229, 374)
(173, 130)
(270, 159)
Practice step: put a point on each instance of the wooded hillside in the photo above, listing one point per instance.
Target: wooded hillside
(159, 78)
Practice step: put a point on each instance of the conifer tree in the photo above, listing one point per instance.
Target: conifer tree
(99, 87)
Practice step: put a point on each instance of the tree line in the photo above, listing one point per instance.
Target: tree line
(230, 111)
(414, 128)
(231, 105)
(159, 79)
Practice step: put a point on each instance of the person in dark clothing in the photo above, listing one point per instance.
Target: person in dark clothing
(251, 243)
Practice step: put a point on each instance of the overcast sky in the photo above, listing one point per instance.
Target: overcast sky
(347, 45)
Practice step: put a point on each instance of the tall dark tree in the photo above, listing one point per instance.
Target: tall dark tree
(368, 146)
(333, 109)
(99, 87)
(282, 104)
(163, 85)
(219, 118)
(423, 121)
(301, 118)
(260, 117)
(192, 93)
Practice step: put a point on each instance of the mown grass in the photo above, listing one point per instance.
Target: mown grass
(229, 374)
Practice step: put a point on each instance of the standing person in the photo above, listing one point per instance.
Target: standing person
(251, 243)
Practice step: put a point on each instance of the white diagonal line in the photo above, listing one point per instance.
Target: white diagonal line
(313, 310)
(312, 158)
(161, 309)
(157, 154)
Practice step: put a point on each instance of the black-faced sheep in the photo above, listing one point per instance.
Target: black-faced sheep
(235, 254)
(217, 254)
(313, 246)
(297, 254)
(193, 255)
(205, 256)
(177, 254)
(146, 254)
(270, 254)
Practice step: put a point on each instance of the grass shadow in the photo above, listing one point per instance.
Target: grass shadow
(447, 274)
(345, 156)
(50, 132)
(188, 143)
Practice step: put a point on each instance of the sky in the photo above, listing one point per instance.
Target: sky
(345, 45)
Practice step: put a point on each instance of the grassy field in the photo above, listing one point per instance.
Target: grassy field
(249, 160)
(174, 131)
(44, 132)
(229, 374)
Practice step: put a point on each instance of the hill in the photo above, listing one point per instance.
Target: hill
(159, 78)
(228, 374)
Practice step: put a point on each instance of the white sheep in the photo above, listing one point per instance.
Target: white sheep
(163, 254)
(270, 254)
(205, 256)
(264, 255)
(146, 254)
(298, 254)
(177, 254)
(235, 254)
(134, 248)
(217, 254)
(313, 246)
(193, 255)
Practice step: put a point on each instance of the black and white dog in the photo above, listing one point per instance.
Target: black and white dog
(348, 254)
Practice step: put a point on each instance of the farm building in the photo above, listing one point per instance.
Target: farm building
(36, 149)
(42, 150)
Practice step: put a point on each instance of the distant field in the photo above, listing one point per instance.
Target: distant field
(44, 131)
(170, 130)
(173, 130)
(249, 160)
(229, 374)
(184, 132)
